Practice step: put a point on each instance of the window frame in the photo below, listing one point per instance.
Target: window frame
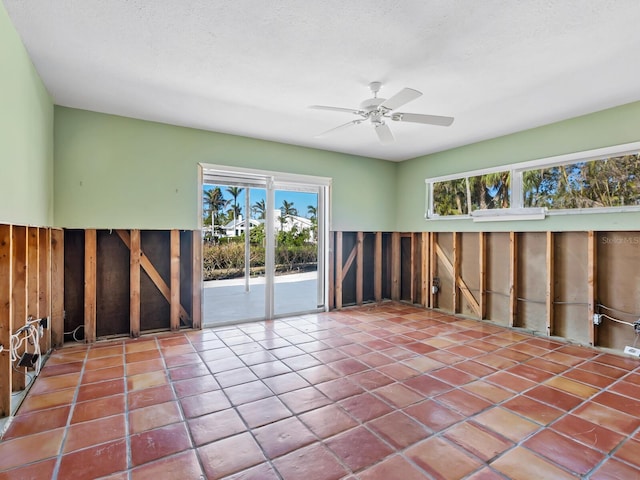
(516, 170)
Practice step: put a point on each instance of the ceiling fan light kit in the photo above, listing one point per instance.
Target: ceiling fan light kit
(378, 110)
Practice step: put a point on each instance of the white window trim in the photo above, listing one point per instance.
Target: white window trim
(514, 212)
(270, 181)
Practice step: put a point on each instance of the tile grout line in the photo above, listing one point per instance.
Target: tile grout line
(56, 468)
(127, 432)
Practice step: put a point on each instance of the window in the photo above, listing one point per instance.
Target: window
(600, 180)
(462, 196)
(609, 182)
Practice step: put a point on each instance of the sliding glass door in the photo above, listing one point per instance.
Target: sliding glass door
(297, 287)
(264, 245)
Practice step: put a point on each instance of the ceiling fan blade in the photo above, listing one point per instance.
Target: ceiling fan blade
(403, 96)
(339, 127)
(335, 109)
(384, 134)
(419, 118)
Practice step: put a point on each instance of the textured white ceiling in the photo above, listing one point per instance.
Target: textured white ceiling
(252, 67)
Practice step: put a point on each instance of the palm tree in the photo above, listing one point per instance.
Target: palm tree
(287, 210)
(259, 209)
(312, 212)
(237, 211)
(214, 202)
(313, 216)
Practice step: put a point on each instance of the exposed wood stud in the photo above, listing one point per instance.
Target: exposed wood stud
(332, 267)
(592, 284)
(513, 287)
(154, 275)
(377, 268)
(414, 258)
(33, 265)
(175, 280)
(338, 255)
(44, 284)
(424, 270)
(349, 263)
(433, 269)
(134, 282)
(43, 270)
(359, 266)
(57, 288)
(482, 259)
(90, 274)
(455, 274)
(19, 287)
(6, 264)
(549, 294)
(196, 308)
(461, 284)
(396, 266)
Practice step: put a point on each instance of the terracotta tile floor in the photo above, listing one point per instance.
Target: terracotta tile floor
(381, 392)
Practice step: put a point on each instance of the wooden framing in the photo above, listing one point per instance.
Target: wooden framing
(196, 280)
(57, 287)
(90, 271)
(175, 281)
(433, 266)
(549, 294)
(332, 273)
(6, 293)
(32, 279)
(338, 263)
(455, 271)
(33, 264)
(395, 266)
(377, 268)
(359, 248)
(134, 283)
(424, 272)
(592, 284)
(513, 278)
(482, 268)
(44, 284)
(413, 267)
(458, 282)
(155, 276)
(20, 289)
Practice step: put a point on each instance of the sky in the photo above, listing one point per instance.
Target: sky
(300, 199)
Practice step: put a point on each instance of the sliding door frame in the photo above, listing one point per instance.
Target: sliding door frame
(272, 181)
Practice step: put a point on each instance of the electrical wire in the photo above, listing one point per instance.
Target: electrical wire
(618, 321)
(540, 302)
(29, 334)
(635, 315)
(497, 293)
(73, 333)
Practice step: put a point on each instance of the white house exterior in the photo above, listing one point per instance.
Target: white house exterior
(235, 228)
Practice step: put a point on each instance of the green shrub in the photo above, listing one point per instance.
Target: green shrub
(226, 260)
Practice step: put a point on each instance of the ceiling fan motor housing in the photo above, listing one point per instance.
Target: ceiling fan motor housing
(371, 104)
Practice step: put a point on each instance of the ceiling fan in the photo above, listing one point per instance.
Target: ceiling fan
(378, 110)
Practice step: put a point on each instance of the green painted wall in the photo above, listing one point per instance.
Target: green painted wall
(610, 127)
(26, 135)
(116, 172)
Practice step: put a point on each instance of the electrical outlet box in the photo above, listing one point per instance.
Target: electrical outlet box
(28, 359)
(597, 319)
(632, 351)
